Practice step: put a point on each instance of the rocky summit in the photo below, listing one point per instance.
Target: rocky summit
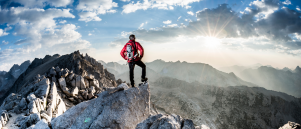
(75, 92)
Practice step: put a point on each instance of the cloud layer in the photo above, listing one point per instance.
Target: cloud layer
(265, 20)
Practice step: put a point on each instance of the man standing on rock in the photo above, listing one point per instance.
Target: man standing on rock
(130, 53)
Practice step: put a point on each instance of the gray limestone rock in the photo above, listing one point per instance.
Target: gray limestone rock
(42, 124)
(52, 72)
(89, 76)
(161, 121)
(57, 69)
(74, 91)
(29, 120)
(291, 125)
(80, 82)
(64, 72)
(86, 83)
(23, 103)
(94, 83)
(46, 117)
(31, 97)
(146, 124)
(116, 110)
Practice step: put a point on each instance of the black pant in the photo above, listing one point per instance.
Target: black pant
(132, 66)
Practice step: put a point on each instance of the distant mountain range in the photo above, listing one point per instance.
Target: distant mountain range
(275, 79)
(8, 78)
(190, 72)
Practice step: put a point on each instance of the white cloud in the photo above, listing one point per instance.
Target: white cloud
(287, 2)
(89, 34)
(159, 4)
(90, 9)
(190, 13)
(88, 16)
(63, 22)
(266, 8)
(179, 18)
(126, 0)
(3, 33)
(40, 34)
(141, 25)
(167, 22)
(4, 42)
(297, 8)
(172, 25)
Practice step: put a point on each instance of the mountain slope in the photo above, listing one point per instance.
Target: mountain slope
(274, 79)
(232, 107)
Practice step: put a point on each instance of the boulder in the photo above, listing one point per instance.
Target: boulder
(43, 90)
(37, 78)
(32, 107)
(53, 79)
(80, 82)
(70, 77)
(90, 95)
(85, 94)
(73, 83)
(31, 97)
(46, 117)
(291, 125)
(89, 76)
(63, 86)
(57, 69)
(52, 72)
(122, 86)
(65, 72)
(61, 107)
(161, 121)
(52, 96)
(2, 121)
(42, 124)
(29, 120)
(62, 82)
(74, 91)
(71, 99)
(23, 103)
(115, 110)
(92, 89)
(95, 83)
(87, 83)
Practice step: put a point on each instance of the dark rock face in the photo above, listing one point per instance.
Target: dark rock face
(74, 62)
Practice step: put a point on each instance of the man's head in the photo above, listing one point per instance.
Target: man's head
(132, 37)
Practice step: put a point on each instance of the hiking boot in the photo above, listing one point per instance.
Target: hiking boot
(144, 79)
(133, 85)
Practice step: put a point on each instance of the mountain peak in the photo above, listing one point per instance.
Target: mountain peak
(297, 69)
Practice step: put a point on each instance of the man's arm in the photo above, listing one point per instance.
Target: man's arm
(122, 52)
(140, 48)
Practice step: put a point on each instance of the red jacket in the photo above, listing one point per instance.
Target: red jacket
(138, 46)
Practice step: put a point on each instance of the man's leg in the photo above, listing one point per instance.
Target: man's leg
(132, 66)
(142, 65)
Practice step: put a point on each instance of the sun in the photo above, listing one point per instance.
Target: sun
(212, 42)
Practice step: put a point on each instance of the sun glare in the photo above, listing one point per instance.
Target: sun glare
(212, 42)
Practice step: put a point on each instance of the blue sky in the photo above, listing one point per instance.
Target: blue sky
(245, 32)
